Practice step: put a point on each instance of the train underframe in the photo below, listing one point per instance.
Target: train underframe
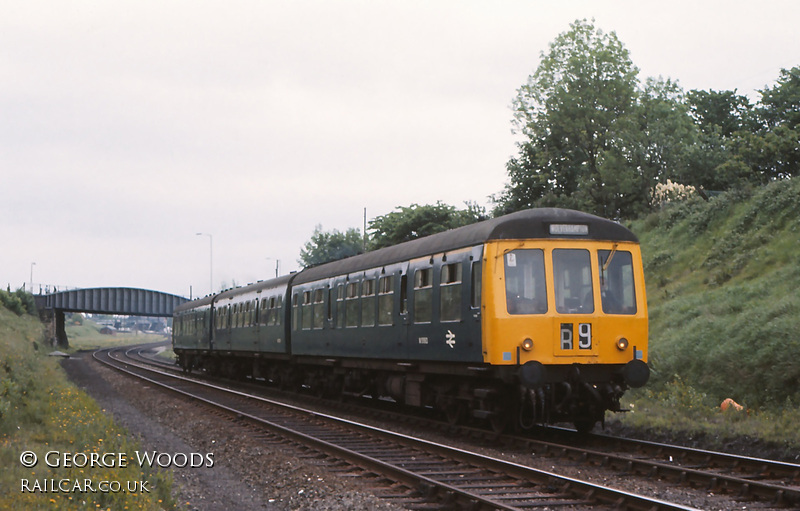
(505, 397)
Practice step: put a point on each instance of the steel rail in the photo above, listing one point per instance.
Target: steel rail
(683, 466)
(583, 490)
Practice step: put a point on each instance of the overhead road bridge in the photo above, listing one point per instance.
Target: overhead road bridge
(123, 301)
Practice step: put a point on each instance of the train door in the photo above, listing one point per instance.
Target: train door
(402, 287)
(212, 326)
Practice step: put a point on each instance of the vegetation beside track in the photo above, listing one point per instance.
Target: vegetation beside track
(41, 411)
(722, 279)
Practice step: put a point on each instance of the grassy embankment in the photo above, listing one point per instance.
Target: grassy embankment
(41, 411)
(723, 283)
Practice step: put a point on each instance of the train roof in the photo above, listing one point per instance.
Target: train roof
(526, 224)
(278, 282)
(193, 304)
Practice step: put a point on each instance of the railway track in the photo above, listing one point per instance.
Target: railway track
(746, 479)
(420, 473)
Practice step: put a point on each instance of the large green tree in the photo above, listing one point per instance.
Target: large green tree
(326, 246)
(773, 150)
(572, 111)
(720, 117)
(656, 148)
(415, 221)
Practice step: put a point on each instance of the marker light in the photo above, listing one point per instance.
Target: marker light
(622, 344)
(527, 344)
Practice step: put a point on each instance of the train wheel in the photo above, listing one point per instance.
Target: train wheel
(505, 414)
(499, 422)
(455, 412)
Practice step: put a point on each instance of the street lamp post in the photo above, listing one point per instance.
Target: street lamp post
(210, 261)
(31, 281)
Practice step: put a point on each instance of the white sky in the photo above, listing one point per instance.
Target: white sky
(126, 127)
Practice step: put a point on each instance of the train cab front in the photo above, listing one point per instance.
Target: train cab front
(566, 321)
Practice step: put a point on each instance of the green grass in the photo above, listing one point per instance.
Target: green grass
(722, 283)
(722, 280)
(680, 413)
(41, 411)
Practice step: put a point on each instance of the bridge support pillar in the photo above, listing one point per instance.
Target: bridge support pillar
(54, 322)
(60, 331)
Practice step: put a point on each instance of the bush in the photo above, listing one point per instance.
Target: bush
(722, 277)
(19, 302)
(41, 411)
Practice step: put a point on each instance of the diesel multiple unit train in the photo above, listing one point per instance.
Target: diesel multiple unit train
(534, 317)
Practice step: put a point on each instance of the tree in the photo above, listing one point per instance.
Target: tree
(415, 221)
(327, 246)
(721, 113)
(656, 148)
(780, 105)
(773, 151)
(572, 110)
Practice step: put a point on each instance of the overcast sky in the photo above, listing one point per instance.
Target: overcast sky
(128, 127)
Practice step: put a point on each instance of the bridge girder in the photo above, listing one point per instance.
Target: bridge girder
(113, 300)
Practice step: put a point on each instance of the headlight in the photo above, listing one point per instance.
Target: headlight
(527, 344)
(622, 344)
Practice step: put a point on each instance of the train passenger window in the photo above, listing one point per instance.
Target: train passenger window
(351, 305)
(319, 308)
(222, 318)
(573, 281)
(450, 292)
(277, 310)
(526, 292)
(423, 295)
(617, 289)
(475, 292)
(385, 300)
(267, 309)
(295, 312)
(368, 303)
(308, 311)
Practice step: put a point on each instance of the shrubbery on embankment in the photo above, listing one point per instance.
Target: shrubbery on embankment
(723, 289)
(41, 411)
